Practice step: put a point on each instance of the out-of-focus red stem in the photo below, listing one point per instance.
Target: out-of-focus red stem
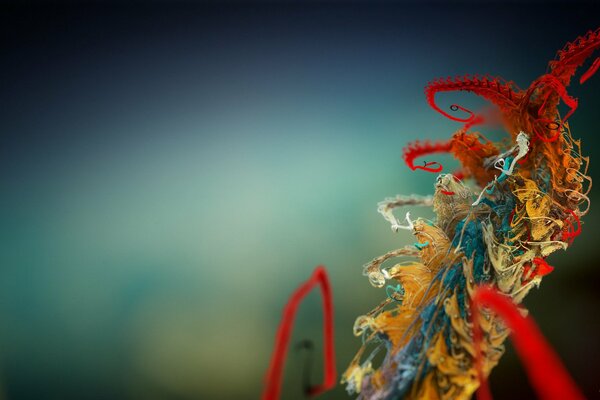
(275, 372)
(547, 375)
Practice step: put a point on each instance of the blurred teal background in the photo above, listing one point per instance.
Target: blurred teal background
(170, 173)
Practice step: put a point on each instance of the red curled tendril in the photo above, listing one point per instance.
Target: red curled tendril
(547, 375)
(470, 121)
(556, 86)
(499, 92)
(418, 149)
(275, 371)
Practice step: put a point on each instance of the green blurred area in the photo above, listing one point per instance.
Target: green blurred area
(166, 187)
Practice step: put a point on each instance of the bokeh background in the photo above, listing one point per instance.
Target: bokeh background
(170, 172)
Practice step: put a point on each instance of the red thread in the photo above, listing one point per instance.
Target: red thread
(501, 93)
(547, 375)
(549, 81)
(275, 371)
(418, 149)
(447, 193)
(572, 233)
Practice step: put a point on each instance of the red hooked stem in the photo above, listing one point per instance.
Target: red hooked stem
(547, 375)
(496, 90)
(275, 372)
(418, 149)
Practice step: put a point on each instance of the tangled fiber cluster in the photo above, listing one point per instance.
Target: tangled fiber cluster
(510, 206)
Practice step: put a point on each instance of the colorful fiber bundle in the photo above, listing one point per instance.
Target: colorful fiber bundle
(499, 217)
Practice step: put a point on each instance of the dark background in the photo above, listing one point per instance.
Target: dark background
(170, 172)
